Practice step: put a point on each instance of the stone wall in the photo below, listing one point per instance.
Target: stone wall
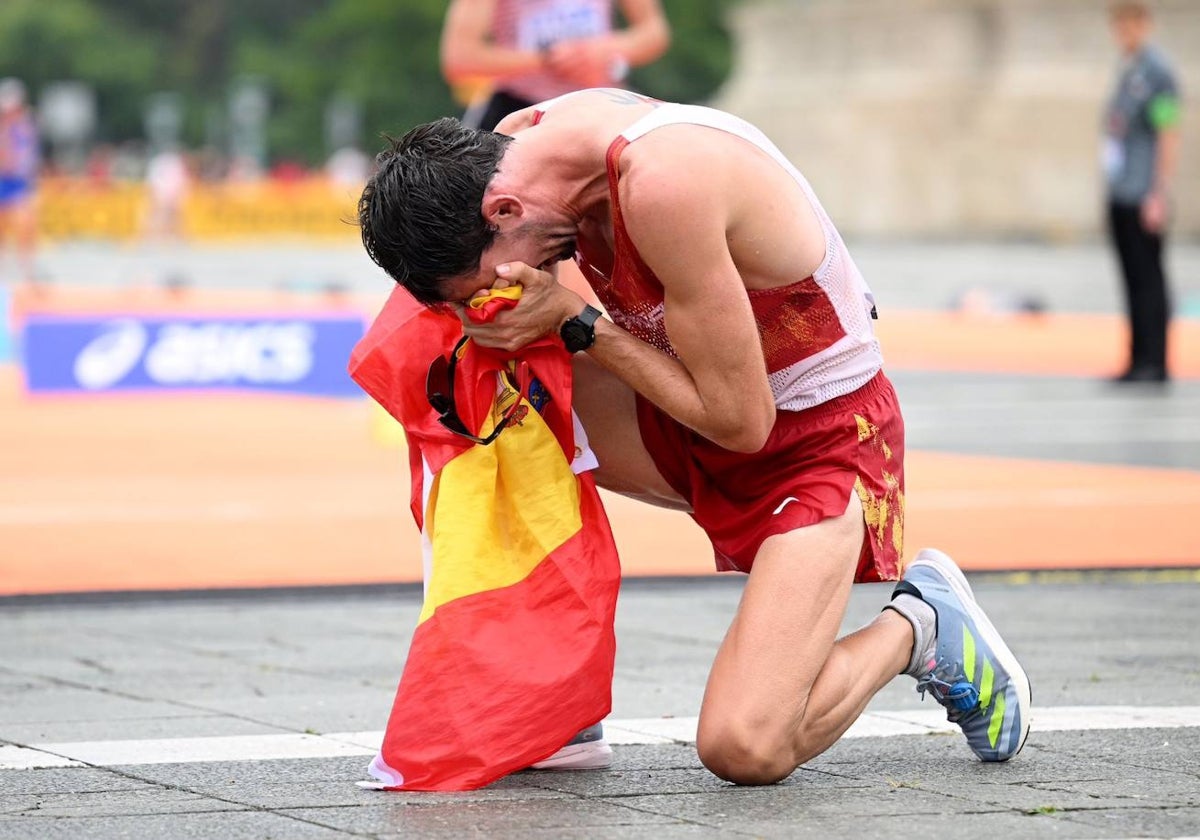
(951, 117)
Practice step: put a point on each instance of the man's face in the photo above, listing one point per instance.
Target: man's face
(537, 245)
(1130, 31)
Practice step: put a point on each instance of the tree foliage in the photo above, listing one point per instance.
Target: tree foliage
(380, 54)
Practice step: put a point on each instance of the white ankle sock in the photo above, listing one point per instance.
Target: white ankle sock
(923, 619)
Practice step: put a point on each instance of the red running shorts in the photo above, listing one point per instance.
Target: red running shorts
(812, 461)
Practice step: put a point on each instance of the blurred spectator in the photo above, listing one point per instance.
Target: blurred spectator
(167, 181)
(99, 167)
(532, 50)
(288, 173)
(348, 167)
(1141, 151)
(19, 158)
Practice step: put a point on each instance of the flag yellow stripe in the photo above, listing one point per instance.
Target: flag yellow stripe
(497, 511)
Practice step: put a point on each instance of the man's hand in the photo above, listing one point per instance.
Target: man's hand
(543, 307)
(588, 62)
(1154, 212)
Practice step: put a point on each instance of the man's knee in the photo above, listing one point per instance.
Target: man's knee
(746, 751)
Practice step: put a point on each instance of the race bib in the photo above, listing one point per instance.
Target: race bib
(561, 23)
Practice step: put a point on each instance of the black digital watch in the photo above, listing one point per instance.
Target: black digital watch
(579, 333)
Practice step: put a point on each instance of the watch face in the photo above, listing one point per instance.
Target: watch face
(575, 336)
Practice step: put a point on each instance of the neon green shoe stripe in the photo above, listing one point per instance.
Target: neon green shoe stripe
(968, 654)
(997, 721)
(985, 685)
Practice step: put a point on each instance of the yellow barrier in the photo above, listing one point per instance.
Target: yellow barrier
(310, 208)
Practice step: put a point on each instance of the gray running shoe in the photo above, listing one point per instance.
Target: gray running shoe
(972, 672)
(586, 751)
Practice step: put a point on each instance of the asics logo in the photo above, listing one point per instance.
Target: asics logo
(111, 356)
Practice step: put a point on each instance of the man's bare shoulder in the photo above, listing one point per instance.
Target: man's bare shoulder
(672, 167)
(517, 121)
(595, 106)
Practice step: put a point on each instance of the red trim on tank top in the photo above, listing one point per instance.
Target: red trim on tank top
(624, 251)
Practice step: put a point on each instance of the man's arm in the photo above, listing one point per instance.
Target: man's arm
(602, 61)
(730, 404)
(679, 224)
(1155, 208)
(468, 54)
(647, 35)
(1164, 113)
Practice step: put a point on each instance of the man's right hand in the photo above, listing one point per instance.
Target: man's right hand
(544, 305)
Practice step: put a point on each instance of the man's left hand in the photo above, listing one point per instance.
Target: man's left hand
(1154, 212)
(544, 305)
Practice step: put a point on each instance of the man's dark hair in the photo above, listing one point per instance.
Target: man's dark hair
(421, 212)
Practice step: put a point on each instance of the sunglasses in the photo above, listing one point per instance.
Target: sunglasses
(439, 390)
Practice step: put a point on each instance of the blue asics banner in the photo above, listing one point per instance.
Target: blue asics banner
(296, 355)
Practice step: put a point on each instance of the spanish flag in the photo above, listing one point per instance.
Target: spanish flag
(513, 651)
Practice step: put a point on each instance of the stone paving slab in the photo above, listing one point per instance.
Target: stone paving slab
(226, 825)
(421, 820)
(123, 803)
(121, 729)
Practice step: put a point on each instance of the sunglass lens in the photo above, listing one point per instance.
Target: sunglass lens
(437, 385)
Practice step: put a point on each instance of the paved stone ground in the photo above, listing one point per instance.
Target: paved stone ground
(269, 663)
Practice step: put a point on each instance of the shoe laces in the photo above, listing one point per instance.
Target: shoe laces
(949, 688)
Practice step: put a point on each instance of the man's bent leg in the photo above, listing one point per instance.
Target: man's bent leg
(607, 408)
(783, 688)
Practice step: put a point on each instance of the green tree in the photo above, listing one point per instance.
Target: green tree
(43, 42)
(381, 54)
(700, 57)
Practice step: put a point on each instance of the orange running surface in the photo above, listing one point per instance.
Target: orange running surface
(170, 492)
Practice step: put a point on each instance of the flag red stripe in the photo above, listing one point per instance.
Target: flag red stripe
(511, 674)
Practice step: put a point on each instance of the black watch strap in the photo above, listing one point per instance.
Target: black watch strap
(579, 333)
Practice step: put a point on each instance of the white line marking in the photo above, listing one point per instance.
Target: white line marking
(618, 732)
(22, 758)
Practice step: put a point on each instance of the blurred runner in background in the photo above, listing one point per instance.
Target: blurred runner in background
(19, 160)
(527, 51)
(1141, 154)
(167, 182)
(519, 52)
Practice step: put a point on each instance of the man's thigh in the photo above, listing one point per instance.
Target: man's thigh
(785, 626)
(608, 410)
